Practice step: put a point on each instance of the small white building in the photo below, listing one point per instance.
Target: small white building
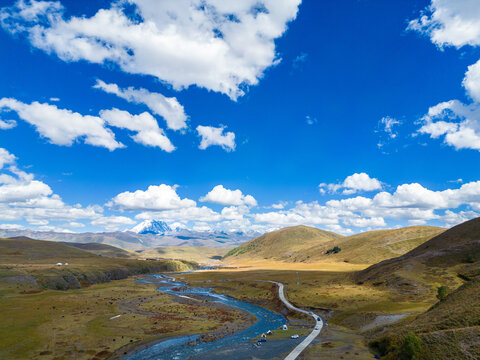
(59, 264)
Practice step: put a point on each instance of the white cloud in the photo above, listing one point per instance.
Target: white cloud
(6, 158)
(299, 60)
(7, 124)
(112, 223)
(454, 23)
(388, 123)
(148, 132)
(450, 22)
(192, 213)
(457, 122)
(168, 108)
(221, 195)
(215, 44)
(352, 184)
(311, 120)
(61, 126)
(215, 136)
(161, 197)
(279, 206)
(24, 198)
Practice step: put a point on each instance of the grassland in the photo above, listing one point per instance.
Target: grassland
(303, 244)
(34, 261)
(200, 254)
(79, 324)
(373, 246)
(280, 244)
(104, 250)
(71, 311)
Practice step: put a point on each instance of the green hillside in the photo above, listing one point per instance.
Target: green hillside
(282, 244)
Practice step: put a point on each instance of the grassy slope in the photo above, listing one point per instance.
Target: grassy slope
(309, 245)
(39, 321)
(33, 261)
(103, 249)
(449, 330)
(374, 246)
(281, 244)
(192, 253)
(434, 263)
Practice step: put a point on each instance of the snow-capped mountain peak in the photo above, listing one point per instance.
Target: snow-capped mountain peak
(155, 227)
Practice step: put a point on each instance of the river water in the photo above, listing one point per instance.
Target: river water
(178, 348)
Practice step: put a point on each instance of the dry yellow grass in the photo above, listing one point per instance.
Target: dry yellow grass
(245, 264)
(78, 324)
(200, 254)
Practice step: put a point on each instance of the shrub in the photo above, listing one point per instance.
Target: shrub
(442, 293)
(469, 259)
(411, 347)
(334, 250)
(383, 345)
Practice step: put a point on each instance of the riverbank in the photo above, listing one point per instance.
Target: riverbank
(186, 346)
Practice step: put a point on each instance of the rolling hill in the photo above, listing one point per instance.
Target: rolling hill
(438, 261)
(373, 246)
(310, 245)
(28, 261)
(448, 330)
(281, 244)
(103, 250)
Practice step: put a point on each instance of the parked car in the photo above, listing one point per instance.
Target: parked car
(294, 336)
(262, 340)
(317, 327)
(319, 318)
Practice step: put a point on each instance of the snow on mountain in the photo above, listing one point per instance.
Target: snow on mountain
(154, 227)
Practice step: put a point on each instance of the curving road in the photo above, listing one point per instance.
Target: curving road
(318, 324)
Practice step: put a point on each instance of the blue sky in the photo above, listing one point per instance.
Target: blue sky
(320, 108)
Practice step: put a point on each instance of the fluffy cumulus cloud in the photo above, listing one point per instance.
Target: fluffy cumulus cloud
(450, 22)
(457, 123)
(112, 223)
(146, 127)
(223, 196)
(6, 158)
(352, 184)
(23, 198)
(454, 23)
(168, 108)
(215, 44)
(64, 127)
(215, 136)
(156, 197)
(61, 126)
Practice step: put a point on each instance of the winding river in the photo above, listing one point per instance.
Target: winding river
(178, 348)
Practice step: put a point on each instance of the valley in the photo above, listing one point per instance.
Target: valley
(99, 306)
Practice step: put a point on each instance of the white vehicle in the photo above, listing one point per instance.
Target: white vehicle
(317, 327)
(294, 336)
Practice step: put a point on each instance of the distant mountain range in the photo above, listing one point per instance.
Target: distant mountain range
(154, 227)
(145, 235)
